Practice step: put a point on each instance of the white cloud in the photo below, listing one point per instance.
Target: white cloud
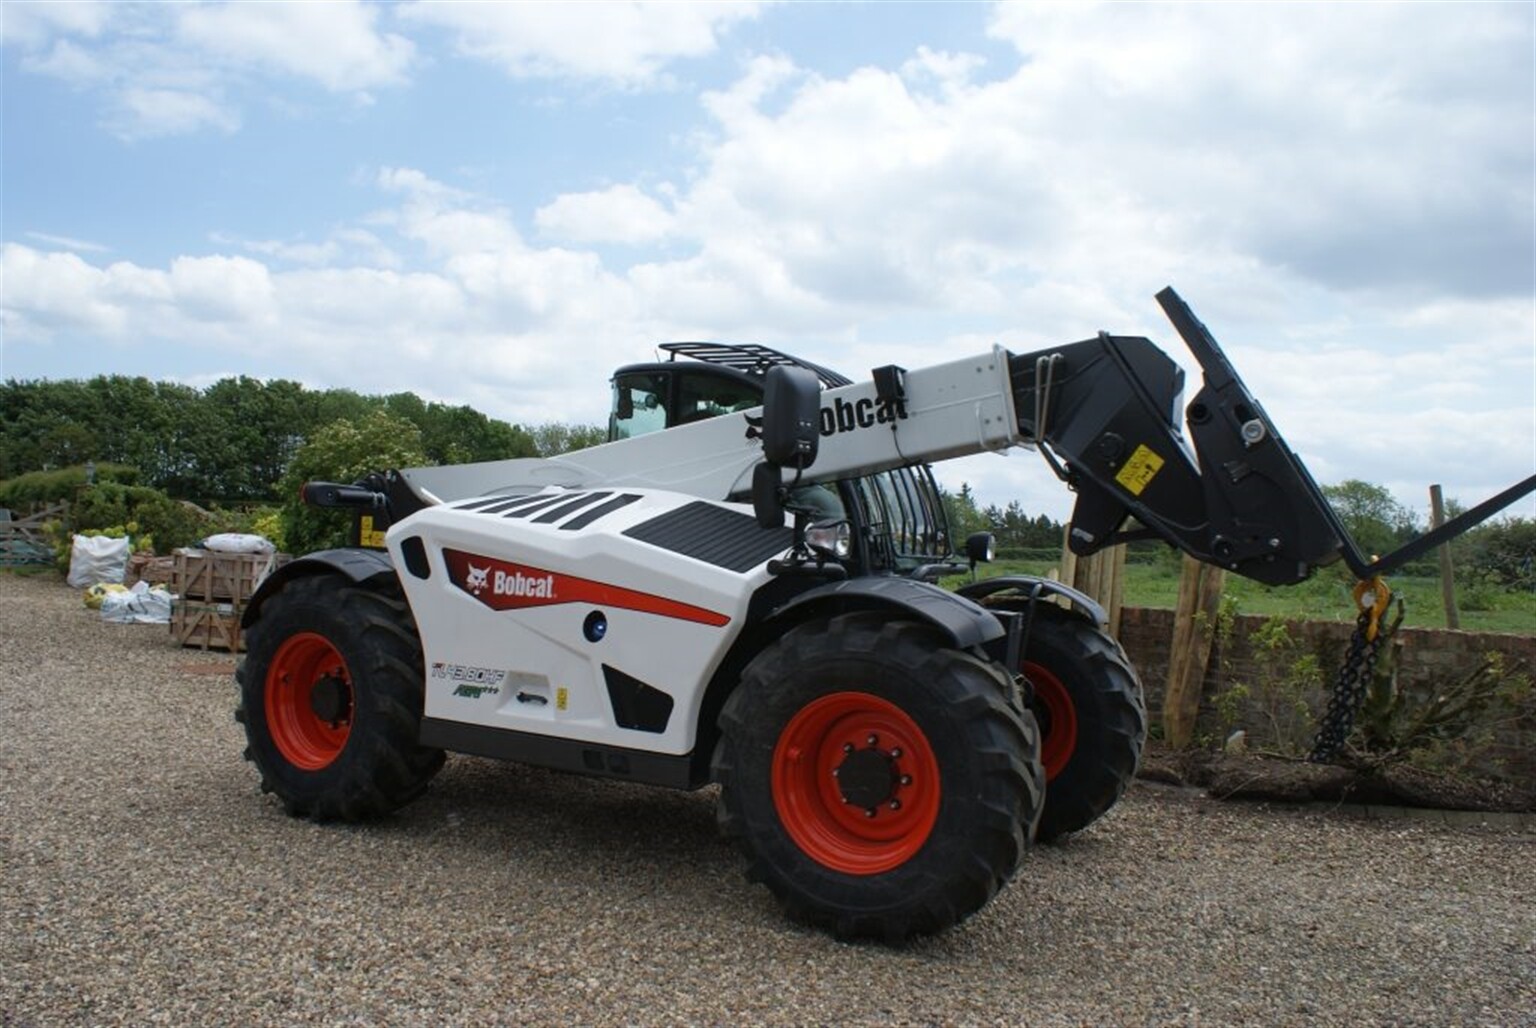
(217, 288)
(491, 319)
(618, 214)
(950, 71)
(449, 222)
(623, 42)
(147, 113)
(335, 43)
(48, 293)
(69, 62)
(176, 69)
(33, 23)
(67, 242)
(343, 247)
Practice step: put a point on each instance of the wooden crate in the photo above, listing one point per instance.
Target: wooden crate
(207, 577)
(207, 626)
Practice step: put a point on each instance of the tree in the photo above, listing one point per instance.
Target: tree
(343, 451)
(235, 439)
(1373, 518)
(1505, 551)
(553, 438)
(262, 426)
(459, 435)
(965, 519)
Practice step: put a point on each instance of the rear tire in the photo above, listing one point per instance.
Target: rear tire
(331, 696)
(1093, 722)
(880, 783)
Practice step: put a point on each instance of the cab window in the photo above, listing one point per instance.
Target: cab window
(701, 395)
(639, 406)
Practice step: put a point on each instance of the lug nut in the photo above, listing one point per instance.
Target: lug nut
(895, 804)
(869, 812)
(873, 738)
(896, 753)
(836, 771)
(906, 779)
(847, 747)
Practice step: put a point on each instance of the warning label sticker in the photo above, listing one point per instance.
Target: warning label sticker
(367, 535)
(1139, 470)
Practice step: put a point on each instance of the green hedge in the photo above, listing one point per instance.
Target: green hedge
(53, 486)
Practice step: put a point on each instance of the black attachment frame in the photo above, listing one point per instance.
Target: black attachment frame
(1218, 371)
(1233, 494)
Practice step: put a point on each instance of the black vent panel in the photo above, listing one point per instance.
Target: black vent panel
(636, 705)
(714, 535)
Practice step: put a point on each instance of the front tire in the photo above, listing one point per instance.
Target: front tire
(331, 696)
(1093, 721)
(880, 783)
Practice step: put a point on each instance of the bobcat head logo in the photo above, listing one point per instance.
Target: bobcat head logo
(475, 580)
(754, 426)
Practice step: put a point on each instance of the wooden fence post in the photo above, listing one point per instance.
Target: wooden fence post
(1447, 573)
(1189, 655)
(1101, 576)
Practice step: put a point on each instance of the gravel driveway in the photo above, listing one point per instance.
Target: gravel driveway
(147, 881)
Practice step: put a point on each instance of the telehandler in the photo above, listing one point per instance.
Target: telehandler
(885, 748)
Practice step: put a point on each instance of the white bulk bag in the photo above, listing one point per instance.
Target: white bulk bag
(94, 559)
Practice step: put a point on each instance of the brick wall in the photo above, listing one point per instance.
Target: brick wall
(1428, 659)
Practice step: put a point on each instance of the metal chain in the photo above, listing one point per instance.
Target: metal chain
(1355, 674)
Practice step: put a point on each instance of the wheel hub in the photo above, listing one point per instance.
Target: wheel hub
(1056, 713)
(856, 783)
(867, 778)
(308, 701)
(329, 698)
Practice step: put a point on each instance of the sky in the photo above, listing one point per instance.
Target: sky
(496, 204)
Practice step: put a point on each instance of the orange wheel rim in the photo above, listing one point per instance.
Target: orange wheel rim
(856, 783)
(1057, 715)
(309, 701)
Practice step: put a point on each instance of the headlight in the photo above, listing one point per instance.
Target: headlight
(832, 539)
(981, 548)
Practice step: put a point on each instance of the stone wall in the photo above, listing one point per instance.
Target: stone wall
(1428, 660)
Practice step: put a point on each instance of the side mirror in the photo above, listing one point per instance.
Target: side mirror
(791, 417)
(791, 432)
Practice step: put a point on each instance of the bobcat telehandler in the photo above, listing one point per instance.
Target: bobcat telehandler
(885, 748)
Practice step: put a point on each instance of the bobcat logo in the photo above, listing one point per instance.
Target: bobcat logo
(475, 581)
(754, 426)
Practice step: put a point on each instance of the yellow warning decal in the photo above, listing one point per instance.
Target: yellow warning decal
(1139, 470)
(367, 535)
(562, 697)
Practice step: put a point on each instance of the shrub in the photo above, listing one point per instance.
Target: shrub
(268, 522)
(1504, 551)
(169, 523)
(1273, 703)
(42, 487)
(343, 451)
(1453, 727)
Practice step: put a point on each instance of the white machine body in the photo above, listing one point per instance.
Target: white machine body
(555, 611)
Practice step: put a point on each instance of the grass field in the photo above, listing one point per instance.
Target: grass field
(1325, 597)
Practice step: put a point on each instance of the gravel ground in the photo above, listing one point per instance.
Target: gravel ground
(147, 881)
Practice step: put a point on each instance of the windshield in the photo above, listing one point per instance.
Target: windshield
(904, 518)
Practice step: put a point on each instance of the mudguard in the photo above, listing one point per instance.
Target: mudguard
(965, 622)
(1029, 587)
(357, 564)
